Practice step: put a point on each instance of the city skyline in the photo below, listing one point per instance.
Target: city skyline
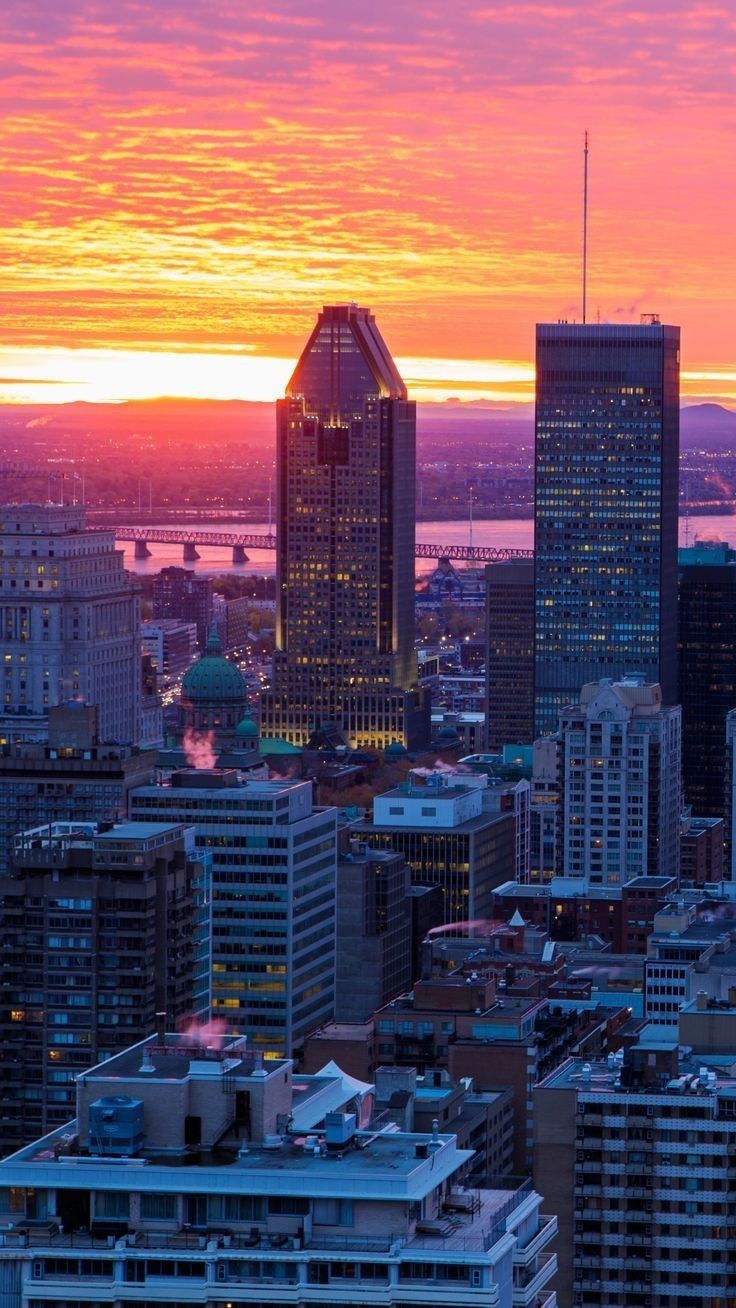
(183, 191)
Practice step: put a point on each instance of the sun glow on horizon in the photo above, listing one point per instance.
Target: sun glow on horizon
(42, 375)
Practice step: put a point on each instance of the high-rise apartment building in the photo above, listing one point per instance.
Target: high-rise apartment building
(620, 785)
(510, 653)
(607, 448)
(274, 857)
(633, 1155)
(102, 930)
(70, 778)
(345, 562)
(373, 935)
(70, 623)
(707, 670)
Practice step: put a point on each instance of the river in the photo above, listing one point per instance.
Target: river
(508, 533)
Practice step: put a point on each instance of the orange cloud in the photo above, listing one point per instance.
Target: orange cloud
(203, 178)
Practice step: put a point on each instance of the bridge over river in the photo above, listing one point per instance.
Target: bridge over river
(239, 541)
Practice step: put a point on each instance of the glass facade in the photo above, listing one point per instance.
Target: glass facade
(607, 450)
(707, 676)
(345, 566)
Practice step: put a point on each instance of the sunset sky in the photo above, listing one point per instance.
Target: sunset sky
(186, 182)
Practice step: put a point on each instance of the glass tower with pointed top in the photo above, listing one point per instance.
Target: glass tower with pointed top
(345, 557)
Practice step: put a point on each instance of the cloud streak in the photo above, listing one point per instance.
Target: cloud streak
(192, 173)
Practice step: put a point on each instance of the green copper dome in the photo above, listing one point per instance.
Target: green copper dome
(247, 729)
(213, 679)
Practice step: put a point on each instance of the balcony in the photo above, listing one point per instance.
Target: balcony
(532, 1281)
(523, 1255)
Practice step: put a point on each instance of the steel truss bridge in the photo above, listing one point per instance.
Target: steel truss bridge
(240, 541)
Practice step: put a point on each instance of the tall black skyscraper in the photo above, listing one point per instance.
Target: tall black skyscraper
(707, 671)
(607, 450)
(345, 575)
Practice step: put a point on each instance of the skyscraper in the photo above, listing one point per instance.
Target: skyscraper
(707, 666)
(510, 653)
(345, 567)
(70, 623)
(607, 448)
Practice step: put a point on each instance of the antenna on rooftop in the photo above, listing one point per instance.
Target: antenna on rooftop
(585, 228)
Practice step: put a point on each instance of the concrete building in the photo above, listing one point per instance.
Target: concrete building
(373, 931)
(544, 834)
(606, 506)
(447, 840)
(633, 1154)
(707, 670)
(70, 623)
(345, 561)
(70, 778)
(701, 851)
(620, 759)
(691, 952)
(729, 842)
(274, 858)
(179, 593)
(211, 1178)
(482, 1120)
(509, 653)
(103, 928)
(171, 645)
(462, 1023)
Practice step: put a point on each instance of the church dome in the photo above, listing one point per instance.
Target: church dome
(247, 729)
(213, 679)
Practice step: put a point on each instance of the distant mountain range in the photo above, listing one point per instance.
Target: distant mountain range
(36, 430)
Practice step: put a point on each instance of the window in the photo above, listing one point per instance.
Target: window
(334, 1212)
(159, 1207)
(111, 1203)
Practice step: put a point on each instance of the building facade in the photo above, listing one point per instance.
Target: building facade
(345, 558)
(607, 451)
(102, 930)
(273, 855)
(303, 1202)
(620, 785)
(633, 1155)
(707, 671)
(72, 778)
(448, 841)
(70, 623)
(509, 653)
(373, 931)
(180, 593)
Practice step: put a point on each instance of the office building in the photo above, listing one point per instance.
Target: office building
(180, 593)
(152, 724)
(103, 928)
(71, 778)
(707, 670)
(302, 1202)
(70, 623)
(509, 653)
(633, 1155)
(620, 785)
(274, 857)
(607, 448)
(373, 931)
(345, 560)
(171, 645)
(447, 839)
